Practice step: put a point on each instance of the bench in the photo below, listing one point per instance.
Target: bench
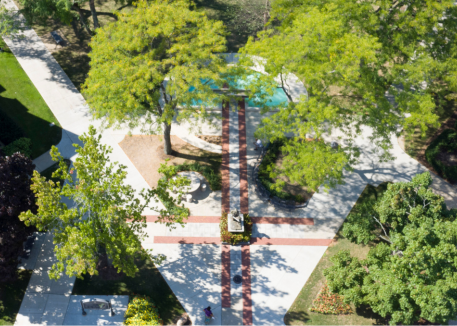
(57, 38)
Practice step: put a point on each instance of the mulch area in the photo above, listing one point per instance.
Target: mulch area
(147, 153)
(216, 140)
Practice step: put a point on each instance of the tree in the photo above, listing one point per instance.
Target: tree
(10, 24)
(15, 197)
(349, 55)
(64, 10)
(155, 64)
(104, 223)
(410, 274)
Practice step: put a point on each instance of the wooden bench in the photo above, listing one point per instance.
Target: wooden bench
(57, 38)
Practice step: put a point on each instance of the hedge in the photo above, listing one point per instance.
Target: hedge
(22, 145)
(141, 311)
(446, 141)
(236, 237)
(9, 130)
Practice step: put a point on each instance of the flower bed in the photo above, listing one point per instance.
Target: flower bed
(141, 311)
(330, 303)
(235, 238)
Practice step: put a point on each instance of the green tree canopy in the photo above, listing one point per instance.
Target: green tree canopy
(10, 22)
(410, 274)
(104, 221)
(156, 63)
(349, 55)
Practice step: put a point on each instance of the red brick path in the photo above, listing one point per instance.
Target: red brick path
(225, 277)
(225, 204)
(225, 158)
(187, 240)
(190, 219)
(291, 242)
(283, 220)
(246, 274)
(244, 209)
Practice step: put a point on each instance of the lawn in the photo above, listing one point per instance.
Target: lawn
(147, 282)
(300, 314)
(11, 295)
(20, 100)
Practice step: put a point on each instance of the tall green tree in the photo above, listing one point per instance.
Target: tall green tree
(10, 23)
(64, 10)
(156, 63)
(349, 55)
(411, 273)
(104, 221)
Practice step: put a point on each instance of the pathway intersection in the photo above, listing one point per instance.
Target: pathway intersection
(285, 246)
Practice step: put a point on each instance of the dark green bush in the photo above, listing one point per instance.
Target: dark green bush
(446, 142)
(22, 145)
(214, 179)
(267, 167)
(9, 130)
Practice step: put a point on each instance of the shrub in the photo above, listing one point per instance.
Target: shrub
(266, 169)
(445, 142)
(21, 145)
(330, 303)
(214, 179)
(235, 238)
(141, 311)
(9, 130)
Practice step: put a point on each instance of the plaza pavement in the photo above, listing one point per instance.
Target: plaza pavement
(198, 268)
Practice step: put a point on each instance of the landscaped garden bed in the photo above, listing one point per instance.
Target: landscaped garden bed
(442, 154)
(235, 237)
(277, 186)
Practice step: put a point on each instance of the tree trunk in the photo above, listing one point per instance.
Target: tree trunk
(266, 15)
(167, 139)
(94, 14)
(77, 8)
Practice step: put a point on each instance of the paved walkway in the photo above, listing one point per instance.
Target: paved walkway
(198, 268)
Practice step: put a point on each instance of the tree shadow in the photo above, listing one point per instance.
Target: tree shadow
(300, 316)
(40, 132)
(366, 312)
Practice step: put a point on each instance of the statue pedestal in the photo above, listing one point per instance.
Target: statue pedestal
(235, 226)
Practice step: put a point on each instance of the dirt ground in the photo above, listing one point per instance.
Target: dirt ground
(216, 140)
(146, 153)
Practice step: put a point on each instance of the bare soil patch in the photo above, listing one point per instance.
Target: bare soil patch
(146, 153)
(216, 140)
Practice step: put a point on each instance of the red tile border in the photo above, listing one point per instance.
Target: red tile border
(225, 277)
(291, 242)
(255, 220)
(225, 157)
(190, 219)
(244, 202)
(246, 274)
(283, 220)
(187, 240)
